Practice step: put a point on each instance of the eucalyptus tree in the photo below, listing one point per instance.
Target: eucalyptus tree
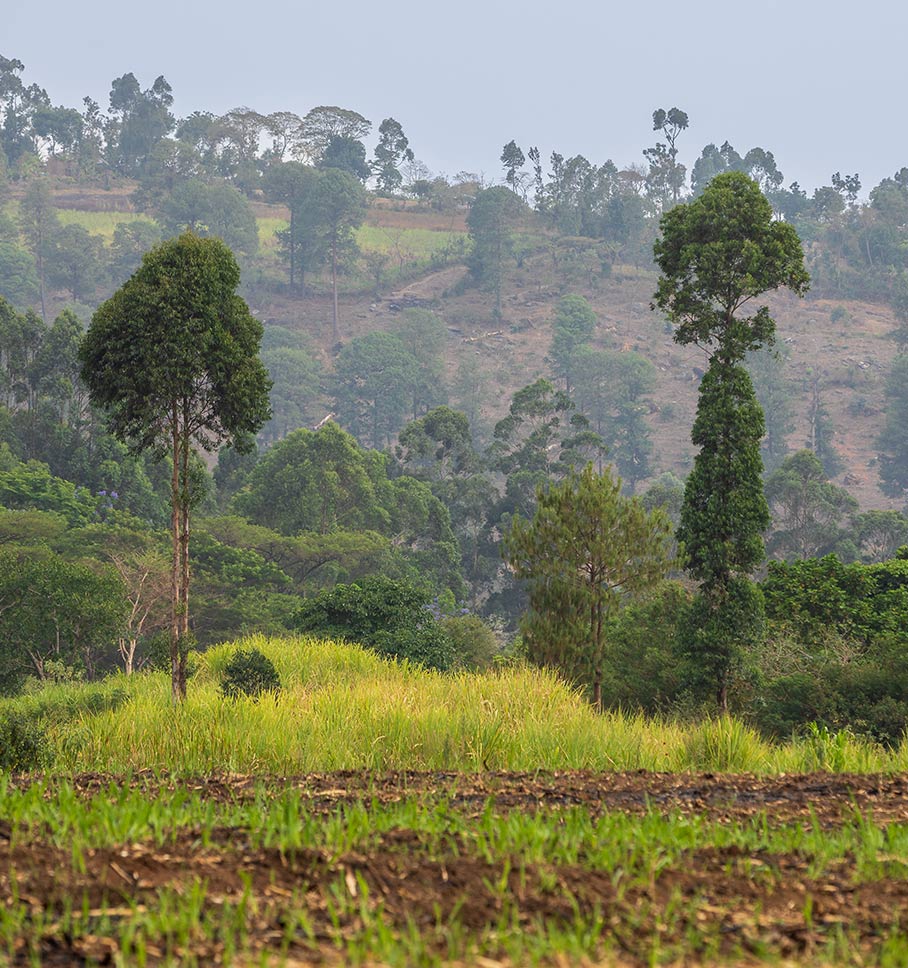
(172, 357)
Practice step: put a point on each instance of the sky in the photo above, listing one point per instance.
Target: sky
(820, 84)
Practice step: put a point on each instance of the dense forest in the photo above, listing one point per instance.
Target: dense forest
(445, 354)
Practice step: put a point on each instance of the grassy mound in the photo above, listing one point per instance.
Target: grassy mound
(342, 707)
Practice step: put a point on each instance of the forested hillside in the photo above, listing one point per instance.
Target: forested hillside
(440, 347)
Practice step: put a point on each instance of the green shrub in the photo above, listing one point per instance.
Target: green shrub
(23, 744)
(393, 617)
(472, 641)
(249, 673)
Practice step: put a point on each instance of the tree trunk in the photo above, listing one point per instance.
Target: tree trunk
(722, 693)
(335, 333)
(175, 692)
(292, 249)
(185, 503)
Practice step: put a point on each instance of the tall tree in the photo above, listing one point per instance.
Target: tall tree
(39, 223)
(294, 185)
(572, 328)
(172, 356)
(325, 122)
(341, 207)
(716, 254)
(492, 216)
(663, 159)
(586, 551)
(392, 150)
(512, 158)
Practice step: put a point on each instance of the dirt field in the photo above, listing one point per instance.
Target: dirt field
(750, 901)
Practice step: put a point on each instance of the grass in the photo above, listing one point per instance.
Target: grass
(99, 223)
(189, 921)
(259, 873)
(345, 708)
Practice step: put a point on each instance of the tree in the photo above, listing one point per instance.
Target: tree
(325, 122)
(216, 209)
(172, 356)
(375, 377)
(340, 206)
(587, 550)
(609, 390)
(392, 150)
(766, 368)
(716, 254)
(139, 121)
(492, 215)
(893, 439)
(301, 242)
(666, 175)
(55, 611)
(573, 327)
(39, 223)
(348, 155)
(513, 159)
(425, 335)
(74, 260)
(807, 508)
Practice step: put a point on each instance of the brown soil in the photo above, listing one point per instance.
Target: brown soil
(746, 902)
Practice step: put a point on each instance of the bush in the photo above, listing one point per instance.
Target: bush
(472, 641)
(23, 744)
(249, 673)
(393, 617)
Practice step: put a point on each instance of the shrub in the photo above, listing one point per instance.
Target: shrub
(391, 616)
(472, 641)
(23, 744)
(249, 673)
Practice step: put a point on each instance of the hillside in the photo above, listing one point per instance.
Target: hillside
(841, 347)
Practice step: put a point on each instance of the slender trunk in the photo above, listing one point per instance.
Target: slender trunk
(722, 693)
(292, 248)
(334, 329)
(185, 503)
(40, 254)
(597, 664)
(175, 560)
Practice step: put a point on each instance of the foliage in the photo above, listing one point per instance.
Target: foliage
(493, 215)
(172, 357)
(573, 328)
(24, 746)
(585, 552)
(249, 672)
(391, 616)
(892, 441)
(375, 381)
(807, 509)
(55, 611)
(716, 254)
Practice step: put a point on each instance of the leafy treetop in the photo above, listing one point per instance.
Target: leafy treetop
(716, 254)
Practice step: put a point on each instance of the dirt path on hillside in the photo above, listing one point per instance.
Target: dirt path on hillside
(431, 286)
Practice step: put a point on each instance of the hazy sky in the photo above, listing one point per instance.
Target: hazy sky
(821, 84)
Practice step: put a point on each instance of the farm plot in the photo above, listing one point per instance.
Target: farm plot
(438, 868)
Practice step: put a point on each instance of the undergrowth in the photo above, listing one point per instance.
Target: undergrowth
(342, 707)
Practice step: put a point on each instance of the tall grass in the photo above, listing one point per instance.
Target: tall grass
(343, 707)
